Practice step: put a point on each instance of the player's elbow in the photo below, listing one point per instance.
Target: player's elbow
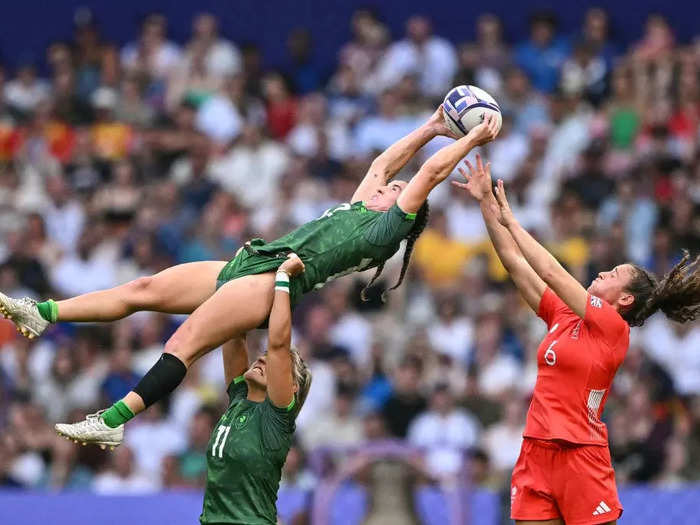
(278, 345)
(549, 275)
(380, 168)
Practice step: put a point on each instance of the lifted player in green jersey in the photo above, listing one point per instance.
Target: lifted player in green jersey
(249, 445)
(226, 300)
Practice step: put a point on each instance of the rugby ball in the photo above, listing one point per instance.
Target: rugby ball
(466, 106)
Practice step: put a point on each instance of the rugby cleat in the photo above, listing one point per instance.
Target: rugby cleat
(24, 313)
(92, 430)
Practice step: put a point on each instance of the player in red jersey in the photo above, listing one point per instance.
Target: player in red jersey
(564, 473)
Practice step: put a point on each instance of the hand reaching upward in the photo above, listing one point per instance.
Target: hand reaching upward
(505, 216)
(478, 180)
(437, 121)
(484, 132)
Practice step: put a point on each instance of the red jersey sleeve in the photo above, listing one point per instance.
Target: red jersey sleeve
(605, 321)
(551, 307)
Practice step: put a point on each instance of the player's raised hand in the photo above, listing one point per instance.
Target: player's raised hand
(437, 122)
(478, 180)
(505, 215)
(293, 265)
(484, 132)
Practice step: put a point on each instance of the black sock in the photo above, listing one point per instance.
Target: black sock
(161, 379)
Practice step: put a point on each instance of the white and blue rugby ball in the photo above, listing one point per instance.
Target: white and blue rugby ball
(467, 106)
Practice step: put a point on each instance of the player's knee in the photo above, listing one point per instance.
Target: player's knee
(183, 345)
(139, 292)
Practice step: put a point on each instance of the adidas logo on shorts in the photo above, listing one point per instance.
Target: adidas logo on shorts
(602, 508)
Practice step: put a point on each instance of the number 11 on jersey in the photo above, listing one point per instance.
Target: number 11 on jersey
(221, 435)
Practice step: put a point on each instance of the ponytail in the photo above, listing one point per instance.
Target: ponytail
(419, 224)
(677, 295)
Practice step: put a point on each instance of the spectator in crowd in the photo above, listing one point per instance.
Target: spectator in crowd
(362, 54)
(121, 377)
(153, 440)
(378, 132)
(406, 401)
(302, 69)
(446, 432)
(341, 427)
(192, 463)
(122, 476)
(253, 154)
(543, 55)
(432, 58)
(221, 57)
(502, 440)
(282, 105)
(295, 473)
(152, 55)
(26, 90)
(595, 34)
(440, 258)
(636, 212)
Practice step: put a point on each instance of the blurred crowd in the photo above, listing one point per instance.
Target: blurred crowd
(119, 161)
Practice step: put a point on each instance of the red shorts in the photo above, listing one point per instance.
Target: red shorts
(573, 482)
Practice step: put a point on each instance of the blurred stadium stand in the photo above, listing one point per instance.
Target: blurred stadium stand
(113, 166)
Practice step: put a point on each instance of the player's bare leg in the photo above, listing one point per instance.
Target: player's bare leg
(176, 290)
(237, 307)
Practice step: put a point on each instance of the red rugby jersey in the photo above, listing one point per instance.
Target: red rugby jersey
(576, 364)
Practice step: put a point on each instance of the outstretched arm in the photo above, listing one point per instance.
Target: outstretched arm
(438, 167)
(235, 353)
(394, 158)
(280, 380)
(547, 267)
(478, 184)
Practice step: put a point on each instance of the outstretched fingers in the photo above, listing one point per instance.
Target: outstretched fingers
(500, 192)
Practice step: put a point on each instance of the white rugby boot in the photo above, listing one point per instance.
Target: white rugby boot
(24, 313)
(92, 430)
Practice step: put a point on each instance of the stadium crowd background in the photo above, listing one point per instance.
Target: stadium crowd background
(124, 160)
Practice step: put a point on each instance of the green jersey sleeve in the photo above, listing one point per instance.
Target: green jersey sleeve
(390, 228)
(237, 390)
(277, 424)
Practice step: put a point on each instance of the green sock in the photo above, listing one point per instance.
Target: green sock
(48, 310)
(118, 414)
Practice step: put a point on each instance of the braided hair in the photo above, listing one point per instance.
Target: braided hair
(419, 224)
(677, 295)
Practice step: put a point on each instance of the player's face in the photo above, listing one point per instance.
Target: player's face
(257, 372)
(610, 286)
(385, 196)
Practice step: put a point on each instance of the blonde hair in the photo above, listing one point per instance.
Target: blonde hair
(302, 377)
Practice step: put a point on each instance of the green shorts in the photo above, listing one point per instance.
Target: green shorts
(247, 262)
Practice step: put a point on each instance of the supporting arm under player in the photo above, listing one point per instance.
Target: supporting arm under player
(280, 378)
(562, 283)
(235, 354)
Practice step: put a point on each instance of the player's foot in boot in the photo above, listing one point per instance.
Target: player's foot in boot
(25, 314)
(92, 430)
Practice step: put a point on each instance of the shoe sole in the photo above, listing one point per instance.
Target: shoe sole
(103, 444)
(21, 328)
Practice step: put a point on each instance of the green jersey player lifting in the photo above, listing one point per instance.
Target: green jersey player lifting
(226, 300)
(250, 443)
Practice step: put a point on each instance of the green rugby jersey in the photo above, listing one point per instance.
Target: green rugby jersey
(345, 239)
(245, 456)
